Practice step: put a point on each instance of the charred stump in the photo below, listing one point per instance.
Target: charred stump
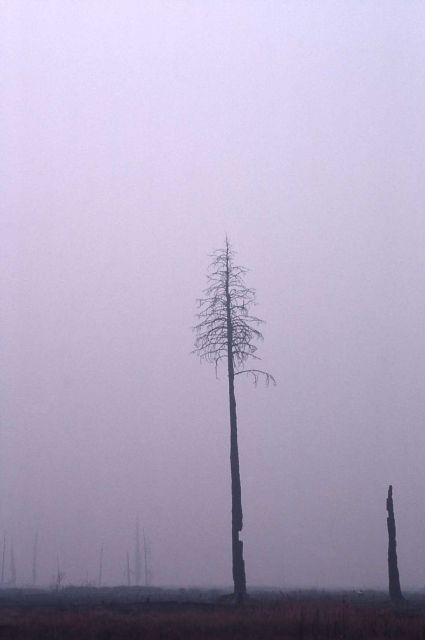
(393, 575)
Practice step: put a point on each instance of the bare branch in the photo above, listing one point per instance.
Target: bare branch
(256, 373)
(224, 315)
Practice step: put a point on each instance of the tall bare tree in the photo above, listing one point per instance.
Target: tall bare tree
(227, 332)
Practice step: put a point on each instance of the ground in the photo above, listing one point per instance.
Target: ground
(136, 613)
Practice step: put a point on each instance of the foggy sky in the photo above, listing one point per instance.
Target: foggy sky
(134, 136)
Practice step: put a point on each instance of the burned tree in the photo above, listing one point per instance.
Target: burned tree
(393, 575)
(60, 575)
(34, 560)
(227, 332)
(137, 556)
(99, 579)
(12, 580)
(128, 570)
(145, 557)
(3, 560)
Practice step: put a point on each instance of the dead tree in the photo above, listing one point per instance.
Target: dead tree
(145, 555)
(128, 570)
(99, 580)
(393, 575)
(60, 575)
(34, 560)
(226, 332)
(3, 560)
(137, 556)
(12, 581)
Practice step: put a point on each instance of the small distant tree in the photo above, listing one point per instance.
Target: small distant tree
(3, 560)
(137, 556)
(34, 560)
(60, 575)
(128, 570)
(12, 581)
(99, 579)
(227, 331)
(146, 554)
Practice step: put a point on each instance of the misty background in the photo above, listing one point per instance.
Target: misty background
(134, 136)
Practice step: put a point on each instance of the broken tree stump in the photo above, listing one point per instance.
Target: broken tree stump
(393, 574)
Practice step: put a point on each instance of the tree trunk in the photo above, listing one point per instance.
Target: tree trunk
(238, 564)
(99, 581)
(34, 560)
(239, 579)
(145, 554)
(128, 570)
(393, 575)
(137, 557)
(3, 560)
(12, 566)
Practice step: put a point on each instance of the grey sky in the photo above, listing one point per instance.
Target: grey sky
(134, 136)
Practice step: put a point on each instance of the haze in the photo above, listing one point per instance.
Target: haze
(135, 135)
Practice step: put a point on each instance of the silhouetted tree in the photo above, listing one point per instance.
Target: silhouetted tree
(60, 575)
(145, 556)
(393, 575)
(128, 570)
(227, 332)
(99, 581)
(137, 556)
(34, 559)
(3, 559)
(12, 566)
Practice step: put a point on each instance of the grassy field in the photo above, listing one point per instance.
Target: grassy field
(297, 615)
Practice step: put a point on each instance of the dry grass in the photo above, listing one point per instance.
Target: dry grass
(303, 620)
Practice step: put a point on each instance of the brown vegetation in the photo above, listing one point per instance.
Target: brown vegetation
(297, 619)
